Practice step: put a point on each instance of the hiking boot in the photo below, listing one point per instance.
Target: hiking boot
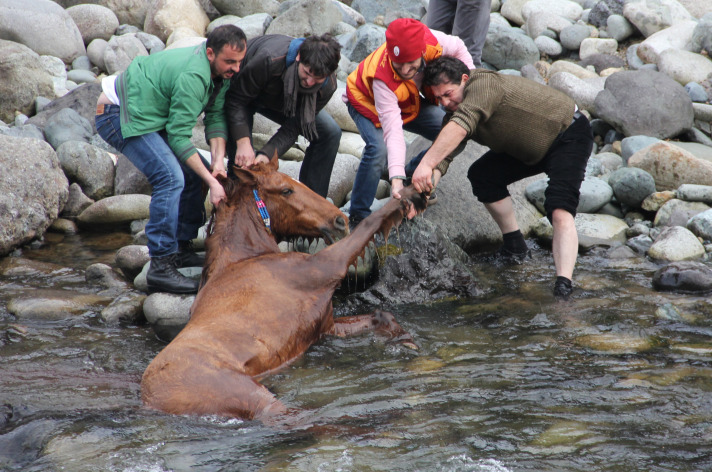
(187, 257)
(163, 276)
(512, 258)
(562, 288)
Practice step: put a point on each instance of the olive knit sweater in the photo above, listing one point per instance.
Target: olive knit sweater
(513, 115)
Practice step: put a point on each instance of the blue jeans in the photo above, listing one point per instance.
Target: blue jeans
(176, 210)
(375, 155)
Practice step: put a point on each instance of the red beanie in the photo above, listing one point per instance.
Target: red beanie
(405, 39)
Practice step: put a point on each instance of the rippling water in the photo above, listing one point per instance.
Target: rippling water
(617, 379)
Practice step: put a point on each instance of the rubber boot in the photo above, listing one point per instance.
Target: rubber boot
(187, 257)
(163, 276)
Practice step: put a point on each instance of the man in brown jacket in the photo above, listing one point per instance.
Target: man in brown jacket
(530, 128)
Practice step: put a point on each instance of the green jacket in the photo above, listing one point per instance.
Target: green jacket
(168, 91)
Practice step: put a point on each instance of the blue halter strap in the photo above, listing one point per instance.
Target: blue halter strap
(263, 211)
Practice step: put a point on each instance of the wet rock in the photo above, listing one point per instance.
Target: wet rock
(33, 190)
(77, 202)
(54, 304)
(89, 166)
(616, 343)
(61, 225)
(167, 313)
(645, 102)
(678, 213)
(676, 243)
(672, 166)
(641, 243)
(104, 276)
(429, 267)
(125, 309)
(131, 259)
(119, 209)
(684, 276)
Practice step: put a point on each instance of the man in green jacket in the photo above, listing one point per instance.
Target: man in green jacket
(148, 113)
(530, 128)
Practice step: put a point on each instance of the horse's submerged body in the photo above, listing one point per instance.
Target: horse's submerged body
(259, 308)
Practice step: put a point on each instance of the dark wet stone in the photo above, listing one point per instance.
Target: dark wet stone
(684, 276)
(429, 267)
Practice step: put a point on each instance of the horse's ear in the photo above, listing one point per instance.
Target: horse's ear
(273, 163)
(244, 176)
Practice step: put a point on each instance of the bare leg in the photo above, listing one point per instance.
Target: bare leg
(565, 244)
(503, 214)
(379, 321)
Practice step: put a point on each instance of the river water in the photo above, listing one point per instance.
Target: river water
(617, 379)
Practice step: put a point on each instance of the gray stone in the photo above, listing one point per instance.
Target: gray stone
(701, 225)
(695, 193)
(633, 144)
(77, 202)
(54, 305)
(151, 42)
(81, 63)
(702, 35)
(676, 243)
(632, 185)
(572, 36)
(372, 9)
(43, 26)
(651, 16)
(167, 314)
(645, 102)
(95, 52)
(509, 48)
(641, 243)
(583, 91)
(125, 309)
(684, 66)
(119, 209)
(23, 79)
(247, 7)
(131, 260)
(94, 21)
(104, 276)
(678, 213)
(120, 51)
(362, 42)
(619, 28)
(696, 92)
(67, 125)
(306, 17)
(685, 277)
(81, 76)
(89, 166)
(631, 55)
(548, 46)
(601, 62)
(33, 190)
(602, 11)
(82, 100)
(164, 17)
(24, 131)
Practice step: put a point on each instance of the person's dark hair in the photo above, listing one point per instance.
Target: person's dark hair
(444, 70)
(226, 34)
(321, 54)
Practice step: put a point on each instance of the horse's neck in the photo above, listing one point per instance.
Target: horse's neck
(239, 233)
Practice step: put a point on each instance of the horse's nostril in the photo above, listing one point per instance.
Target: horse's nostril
(340, 223)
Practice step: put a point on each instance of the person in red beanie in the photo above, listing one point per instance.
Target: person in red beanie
(383, 96)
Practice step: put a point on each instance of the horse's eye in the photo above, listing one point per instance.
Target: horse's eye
(287, 191)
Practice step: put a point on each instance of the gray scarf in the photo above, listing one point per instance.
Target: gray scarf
(307, 111)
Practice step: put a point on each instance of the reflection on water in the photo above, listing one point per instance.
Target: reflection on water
(617, 379)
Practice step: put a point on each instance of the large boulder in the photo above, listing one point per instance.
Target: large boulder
(246, 7)
(509, 48)
(645, 102)
(671, 166)
(94, 21)
(82, 100)
(306, 17)
(89, 166)
(22, 80)
(129, 12)
(163, 17)
(651, 16)
(43, 26)
(33, 190)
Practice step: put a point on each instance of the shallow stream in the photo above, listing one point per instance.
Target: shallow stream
(617, 379)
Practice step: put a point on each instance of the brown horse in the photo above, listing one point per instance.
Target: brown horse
(259, 308)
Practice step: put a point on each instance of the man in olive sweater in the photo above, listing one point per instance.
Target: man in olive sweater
(530, 128)
(290, 81)
(148, 113)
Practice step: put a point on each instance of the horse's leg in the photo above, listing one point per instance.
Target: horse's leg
(201, 390)
(382, 322)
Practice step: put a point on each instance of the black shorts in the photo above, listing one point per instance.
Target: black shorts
(564, 164)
